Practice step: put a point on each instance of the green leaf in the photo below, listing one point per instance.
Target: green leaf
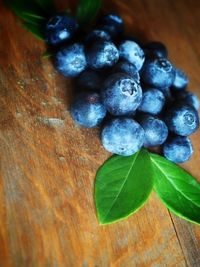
(31, 14)
(123, 184)
(47, 54)
(36, 30)
(87, 11)
(28, 11)
(178, 190)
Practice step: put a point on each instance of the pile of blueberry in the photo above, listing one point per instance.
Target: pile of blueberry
(132, 89)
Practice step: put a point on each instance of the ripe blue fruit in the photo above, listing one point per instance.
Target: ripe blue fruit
(111, 23)
(132, 52)
(87, 110)
(178, 149)
(96, 35)
(158, 73)
(155, 49)
(71, 61)
(156, 131)
(60, 28)
(181, 80)
(122, 136)
(102, 54)
(188, 98)
(128, 68)
(182, 119)
(89, 79)
(121, 95)
(153, 101)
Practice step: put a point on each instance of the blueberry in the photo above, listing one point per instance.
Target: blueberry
(96, 35)
(132, 52)
(188, 98)
(128, 68)
(121, 95)
(153, 101)
(112, 23)
(102, 54)
(181, 80)
(87, 110)
(178, 149)
(182, 119)
(60, 28)
(122, 136)
(156, 131)
(158, 73)
(155, 50)
(71, 61)
(90, 79)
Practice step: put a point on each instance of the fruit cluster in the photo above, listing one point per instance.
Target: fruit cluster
(132, 89)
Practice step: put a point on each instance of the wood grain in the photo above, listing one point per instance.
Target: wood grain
(48, 164)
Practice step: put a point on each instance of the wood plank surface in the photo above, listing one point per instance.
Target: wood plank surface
(48, 164)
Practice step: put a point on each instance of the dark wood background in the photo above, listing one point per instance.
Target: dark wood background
(48, 164)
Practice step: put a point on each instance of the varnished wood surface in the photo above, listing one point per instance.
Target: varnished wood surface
(48, 164)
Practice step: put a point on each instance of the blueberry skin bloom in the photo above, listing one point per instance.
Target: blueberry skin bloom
(71, 61)
(189, 99)
(132, 52)
(102, 54)
(153, 101)
(158, 73)
(122, 136)
(178, 149)
(128, 68)
(156, 131)
(155, 49)
(112, 23)
(89, 79)
(121, 95)
(60, 28)
(181, 80)
(87, 110)
(182, 119)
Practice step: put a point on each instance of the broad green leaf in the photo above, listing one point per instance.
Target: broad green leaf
(87, 11)
(122, 186)
(178, 190)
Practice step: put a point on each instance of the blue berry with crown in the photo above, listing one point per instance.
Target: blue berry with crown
(121, 94)
(71, 60)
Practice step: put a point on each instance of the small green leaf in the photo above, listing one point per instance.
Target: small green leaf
(33, 17)
(36, 30)
(47, 54)
(28, 11)
(123, 184)
(178, 190)
(31, 14)
(87, 11)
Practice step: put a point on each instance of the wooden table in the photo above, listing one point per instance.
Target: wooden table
(48, 164)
